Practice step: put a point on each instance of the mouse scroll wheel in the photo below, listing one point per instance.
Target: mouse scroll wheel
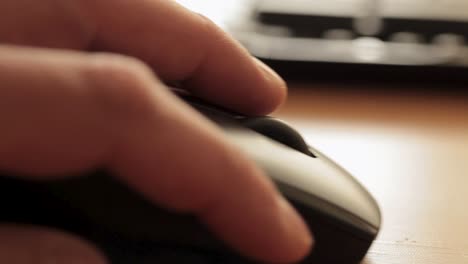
(278, 131)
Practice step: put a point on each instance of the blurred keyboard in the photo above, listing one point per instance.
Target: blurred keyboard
(420, 40)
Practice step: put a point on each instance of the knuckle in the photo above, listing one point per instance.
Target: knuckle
(125, 69)
(207, 23)
(209, 28)
(120, 84)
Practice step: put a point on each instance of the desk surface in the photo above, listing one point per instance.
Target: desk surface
(410, 150)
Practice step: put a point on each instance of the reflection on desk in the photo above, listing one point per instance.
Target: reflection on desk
(410, 151)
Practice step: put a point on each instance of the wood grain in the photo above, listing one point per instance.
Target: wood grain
(410, 149)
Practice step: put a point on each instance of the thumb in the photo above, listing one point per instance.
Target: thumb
(37, 245)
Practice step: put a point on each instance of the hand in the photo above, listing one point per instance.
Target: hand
(69, 103)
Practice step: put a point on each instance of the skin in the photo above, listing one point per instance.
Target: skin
(82, 85)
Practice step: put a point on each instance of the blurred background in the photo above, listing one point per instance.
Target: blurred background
(352, 39)
(380, 87)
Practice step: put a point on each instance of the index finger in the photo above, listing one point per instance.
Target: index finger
(180, 46)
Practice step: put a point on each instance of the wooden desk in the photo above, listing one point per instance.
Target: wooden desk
(410, 150)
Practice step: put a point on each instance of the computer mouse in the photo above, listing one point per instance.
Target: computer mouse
(343, 216)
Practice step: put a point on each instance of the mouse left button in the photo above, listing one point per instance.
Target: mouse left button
(279, 131)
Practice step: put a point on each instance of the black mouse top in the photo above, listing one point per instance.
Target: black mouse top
(343, 216)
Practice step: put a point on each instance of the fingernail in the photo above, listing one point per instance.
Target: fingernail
(300, 237)
(270, 74)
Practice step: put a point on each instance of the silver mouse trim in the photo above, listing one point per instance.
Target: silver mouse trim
(319, 177)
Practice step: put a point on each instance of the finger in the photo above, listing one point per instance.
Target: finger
(32, 245)
(180, 46)
(66, 112)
